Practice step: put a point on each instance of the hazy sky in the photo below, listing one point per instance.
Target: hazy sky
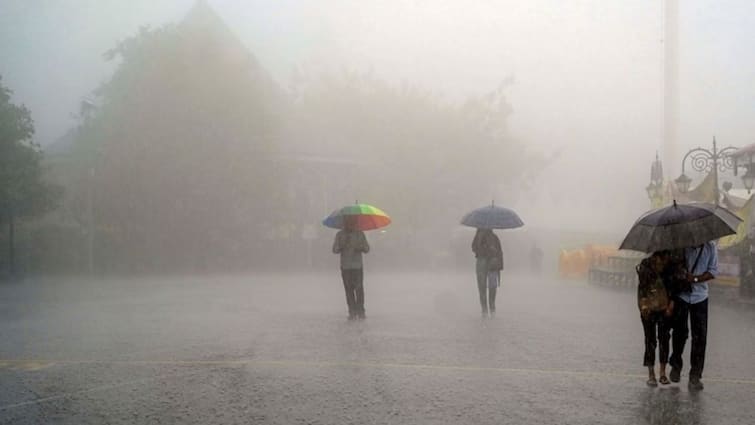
(587, 72)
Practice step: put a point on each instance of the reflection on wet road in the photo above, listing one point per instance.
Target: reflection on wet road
(278, 349)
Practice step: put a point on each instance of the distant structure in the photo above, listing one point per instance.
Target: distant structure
(671, 88)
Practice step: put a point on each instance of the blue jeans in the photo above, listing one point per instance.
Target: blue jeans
(487, 293)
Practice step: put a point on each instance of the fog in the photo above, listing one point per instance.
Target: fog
(177, 268)
(587, 75)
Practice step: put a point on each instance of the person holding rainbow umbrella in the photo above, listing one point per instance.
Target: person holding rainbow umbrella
(350, 243)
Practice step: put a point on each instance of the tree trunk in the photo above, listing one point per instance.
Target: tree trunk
(11, 245)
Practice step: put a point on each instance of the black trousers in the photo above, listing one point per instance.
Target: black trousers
(657, 329)
(352, 284)
(697, 314)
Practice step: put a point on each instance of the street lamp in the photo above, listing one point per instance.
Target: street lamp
(682, 183)
(749, 178)
(704, 160)
(746, 154)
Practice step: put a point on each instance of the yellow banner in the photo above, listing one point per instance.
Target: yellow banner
(744, 214)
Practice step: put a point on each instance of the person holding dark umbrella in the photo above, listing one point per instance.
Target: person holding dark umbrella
(489, 263)
(693, 228)
(654, 300)
(487, 250)
(692, 305)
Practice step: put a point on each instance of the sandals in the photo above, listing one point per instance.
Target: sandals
(652, 382)
(664, 380)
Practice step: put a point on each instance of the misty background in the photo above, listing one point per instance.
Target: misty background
(578, 86)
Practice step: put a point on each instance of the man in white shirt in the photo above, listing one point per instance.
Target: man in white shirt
(692, 305)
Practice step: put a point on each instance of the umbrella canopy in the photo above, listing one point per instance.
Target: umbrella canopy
(492, 217)
(680, 226)
(364, 217)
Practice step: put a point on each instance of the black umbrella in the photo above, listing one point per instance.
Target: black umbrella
(492, 217)
(680, 226)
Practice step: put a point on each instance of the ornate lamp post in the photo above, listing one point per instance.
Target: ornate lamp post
(704, 160)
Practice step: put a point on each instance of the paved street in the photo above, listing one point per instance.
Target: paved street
(277, 349)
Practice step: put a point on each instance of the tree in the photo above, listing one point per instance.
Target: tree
(170, 158)
(23, 190)
(426, 160)
(194, 159)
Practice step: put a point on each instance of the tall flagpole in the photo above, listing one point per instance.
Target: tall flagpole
(671, 87)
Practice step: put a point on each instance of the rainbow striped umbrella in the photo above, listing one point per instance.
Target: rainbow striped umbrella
(366, 217)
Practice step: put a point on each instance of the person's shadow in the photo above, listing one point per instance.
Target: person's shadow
(669, 406)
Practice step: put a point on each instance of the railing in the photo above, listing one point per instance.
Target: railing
(615, 270)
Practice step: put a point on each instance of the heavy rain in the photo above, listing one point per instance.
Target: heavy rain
(377, 212)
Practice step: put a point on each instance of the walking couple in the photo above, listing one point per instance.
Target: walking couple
(672, 293)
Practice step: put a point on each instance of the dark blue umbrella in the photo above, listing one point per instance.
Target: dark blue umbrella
(680, 226)
(492, 217)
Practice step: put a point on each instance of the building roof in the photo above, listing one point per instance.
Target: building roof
(744, 152)
(735, 199)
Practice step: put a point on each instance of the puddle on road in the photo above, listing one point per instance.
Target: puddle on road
(24, 365)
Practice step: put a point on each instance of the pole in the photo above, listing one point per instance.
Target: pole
(715, 171)
(671, 84)
(90, 232)
(11, 243)
(309, 253)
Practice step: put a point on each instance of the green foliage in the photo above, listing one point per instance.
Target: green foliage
(15, 121)
(23, 190)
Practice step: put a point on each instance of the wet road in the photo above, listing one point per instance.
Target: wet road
(277, 349)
